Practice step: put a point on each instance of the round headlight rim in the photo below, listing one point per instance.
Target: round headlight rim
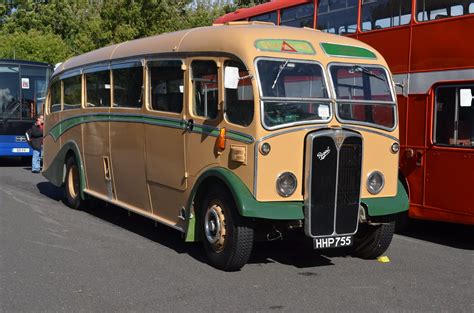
(278, 181)
(381, 186)
(395, 147)
(262, 151)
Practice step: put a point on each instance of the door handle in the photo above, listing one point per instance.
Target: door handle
(107, 175)
(189, 125)
(419, 158)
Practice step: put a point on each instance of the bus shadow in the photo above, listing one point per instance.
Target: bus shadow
(15, 162)
(49, 190)
(294, 252)
(453, 235)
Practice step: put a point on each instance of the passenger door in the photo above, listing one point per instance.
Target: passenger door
(450, 160)
(164, 139)
(204, 115)
(127, 135)
(95, 133)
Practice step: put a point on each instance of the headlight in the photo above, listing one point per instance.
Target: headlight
(395, 147)
(286, 184)
(375, 182)
(265, 148)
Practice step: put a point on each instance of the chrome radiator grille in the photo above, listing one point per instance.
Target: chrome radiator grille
(332, 182)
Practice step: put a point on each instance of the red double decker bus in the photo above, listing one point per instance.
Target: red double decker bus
(428, 46)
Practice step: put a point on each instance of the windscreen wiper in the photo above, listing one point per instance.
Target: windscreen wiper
(358, 68)
(282, 67)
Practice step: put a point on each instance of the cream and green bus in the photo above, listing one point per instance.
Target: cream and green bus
(233, 132)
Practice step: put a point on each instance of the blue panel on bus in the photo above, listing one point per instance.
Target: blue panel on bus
(11, 145)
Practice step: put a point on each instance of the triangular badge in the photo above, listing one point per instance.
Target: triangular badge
(287, 48)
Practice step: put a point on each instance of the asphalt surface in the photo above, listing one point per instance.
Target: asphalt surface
(55, 259)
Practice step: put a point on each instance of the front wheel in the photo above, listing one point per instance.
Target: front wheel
(226, 237)
(372, 241)
(72, 195)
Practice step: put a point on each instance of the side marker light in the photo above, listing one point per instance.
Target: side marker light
(221, 142)
(383, 259)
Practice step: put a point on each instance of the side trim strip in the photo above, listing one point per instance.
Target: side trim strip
(420, 83)
(61, 127)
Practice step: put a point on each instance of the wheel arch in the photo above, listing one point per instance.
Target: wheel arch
(56, 172)
(213, 176)
(246, 204)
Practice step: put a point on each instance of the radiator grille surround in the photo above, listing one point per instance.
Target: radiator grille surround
(333, 168)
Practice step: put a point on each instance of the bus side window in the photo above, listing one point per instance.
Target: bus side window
(166, 86)
(380, 14)
(435, 10)
(205, 88)
(128, 85)
(72, 92)
(337, 17)
(298, 16)
(454, 123)
(98, 89)
(271, 17)
(55, 99)
(239, 102)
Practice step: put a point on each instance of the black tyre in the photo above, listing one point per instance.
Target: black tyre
(226, 237)
(72, 192)
(371, 242)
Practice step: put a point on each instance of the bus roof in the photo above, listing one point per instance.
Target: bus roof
(264, 8)
(236, 38)
(24, 62)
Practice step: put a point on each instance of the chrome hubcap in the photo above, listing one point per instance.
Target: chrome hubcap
(214, 226)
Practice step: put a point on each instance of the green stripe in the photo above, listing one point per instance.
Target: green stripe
(347, 51)
(61, 127)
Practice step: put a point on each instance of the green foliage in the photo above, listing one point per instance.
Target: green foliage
(34, 46)
(54, 30)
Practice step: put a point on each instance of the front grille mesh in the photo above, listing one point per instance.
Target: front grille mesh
(334, 184)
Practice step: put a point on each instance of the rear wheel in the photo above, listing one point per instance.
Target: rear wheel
(227, 239)
(372, 241)
(72, 193)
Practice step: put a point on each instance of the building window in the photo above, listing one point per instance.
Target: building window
(128, 85)
(298, 16)
(380, 14)
(72, 92)
(435, 10)
(337, 16)
(239, 102)
(98, 89)
(55, 96)
(166, 85)
(205, 88)
(454, 116)
(271, 17)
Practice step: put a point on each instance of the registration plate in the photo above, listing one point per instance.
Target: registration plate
(332, 242)
(20, 150)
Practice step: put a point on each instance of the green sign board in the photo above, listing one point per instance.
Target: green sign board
(347, 51)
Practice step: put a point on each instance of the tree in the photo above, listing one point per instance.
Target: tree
(84, 25)
(34, 46)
